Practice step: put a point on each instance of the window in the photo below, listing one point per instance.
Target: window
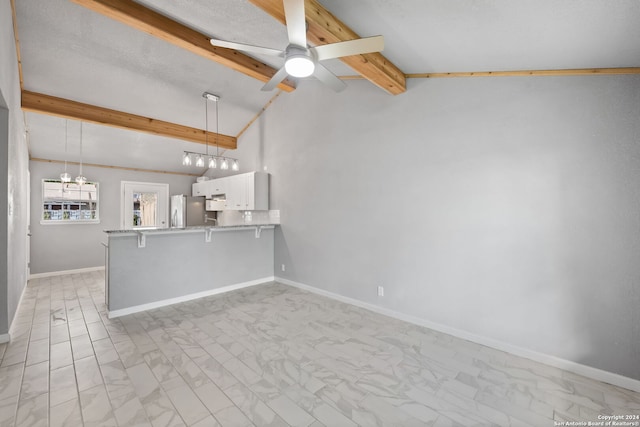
(69, 203)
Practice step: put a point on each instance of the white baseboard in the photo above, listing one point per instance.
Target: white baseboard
(157, 304)
(65, 272)
(567, 365)
(4, 338)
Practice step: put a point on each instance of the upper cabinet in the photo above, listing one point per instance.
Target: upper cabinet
(242, 192)
(210, 189)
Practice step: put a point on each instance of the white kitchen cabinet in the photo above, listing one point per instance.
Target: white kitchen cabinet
(236, 187)
(209, 189)
(198, 188)
(216, 187)
(242, 192)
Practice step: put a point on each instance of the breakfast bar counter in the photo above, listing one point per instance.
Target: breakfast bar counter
(150, 268)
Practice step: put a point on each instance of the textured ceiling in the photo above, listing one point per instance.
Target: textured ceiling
(72, 52)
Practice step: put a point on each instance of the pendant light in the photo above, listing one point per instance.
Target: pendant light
(211, 160)
(65, 176)
(81, 179)
(186, 159)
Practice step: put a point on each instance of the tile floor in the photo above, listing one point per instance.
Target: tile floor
(268, 355)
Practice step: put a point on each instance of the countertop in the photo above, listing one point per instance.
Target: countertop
(188, 229)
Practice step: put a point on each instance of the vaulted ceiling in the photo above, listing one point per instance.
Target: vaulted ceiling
(72, 52)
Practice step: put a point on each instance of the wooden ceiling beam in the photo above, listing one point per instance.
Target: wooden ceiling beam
(324, 28)
(144, 19)
(60, 107)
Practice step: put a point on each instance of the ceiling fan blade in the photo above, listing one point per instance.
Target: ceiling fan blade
(348, 48)
(328, 78)
(275, 80)
(296, 22)
(247, 48)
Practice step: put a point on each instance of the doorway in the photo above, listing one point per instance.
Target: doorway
(144, 205)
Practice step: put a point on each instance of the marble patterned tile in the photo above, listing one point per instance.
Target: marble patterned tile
(105, 351)
(35, 381)
(38, 351)
(207, 422)
(290, 412)
(97, 331)
(63, 385)
(59, 333)
(81, 347)
(160, 410)
(33, 412)
(267, 355)
(10, 380)
(254, 408)
(232, 416)
(88, 373)
(188, 405)
(60, 355)
(212, 397)
(128, 352)
(66, 414)
(8, 411)
(96, 408)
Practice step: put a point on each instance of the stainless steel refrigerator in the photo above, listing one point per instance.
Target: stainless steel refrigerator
(187, 211)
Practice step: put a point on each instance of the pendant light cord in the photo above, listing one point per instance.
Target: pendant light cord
(206, 123)
(81, 149)
(66, 137)
(217, 130)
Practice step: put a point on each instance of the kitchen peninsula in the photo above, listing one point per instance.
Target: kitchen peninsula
(152, 267)
(146, 269)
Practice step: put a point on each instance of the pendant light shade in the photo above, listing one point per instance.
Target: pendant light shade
(200, 161)
(186, 159)
(235, 166)
(225, 164)
(213, 164)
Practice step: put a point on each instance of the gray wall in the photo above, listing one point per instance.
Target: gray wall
(504, 207)
(14, 181)
(73, 246)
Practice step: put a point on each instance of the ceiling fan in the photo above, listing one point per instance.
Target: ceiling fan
(301, 60)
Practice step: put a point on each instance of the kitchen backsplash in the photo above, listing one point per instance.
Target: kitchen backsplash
(248, 217)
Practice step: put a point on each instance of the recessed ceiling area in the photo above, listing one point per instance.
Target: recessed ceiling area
(74, 53)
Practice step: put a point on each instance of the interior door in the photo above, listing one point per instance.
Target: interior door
(144, 205)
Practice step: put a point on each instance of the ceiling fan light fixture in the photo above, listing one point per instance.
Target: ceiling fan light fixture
(299, 62)
(299, 66)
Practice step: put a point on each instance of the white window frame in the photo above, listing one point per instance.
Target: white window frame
(54, 199)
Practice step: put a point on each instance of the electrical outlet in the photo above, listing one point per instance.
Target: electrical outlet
(380, 291)
(283, 268)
